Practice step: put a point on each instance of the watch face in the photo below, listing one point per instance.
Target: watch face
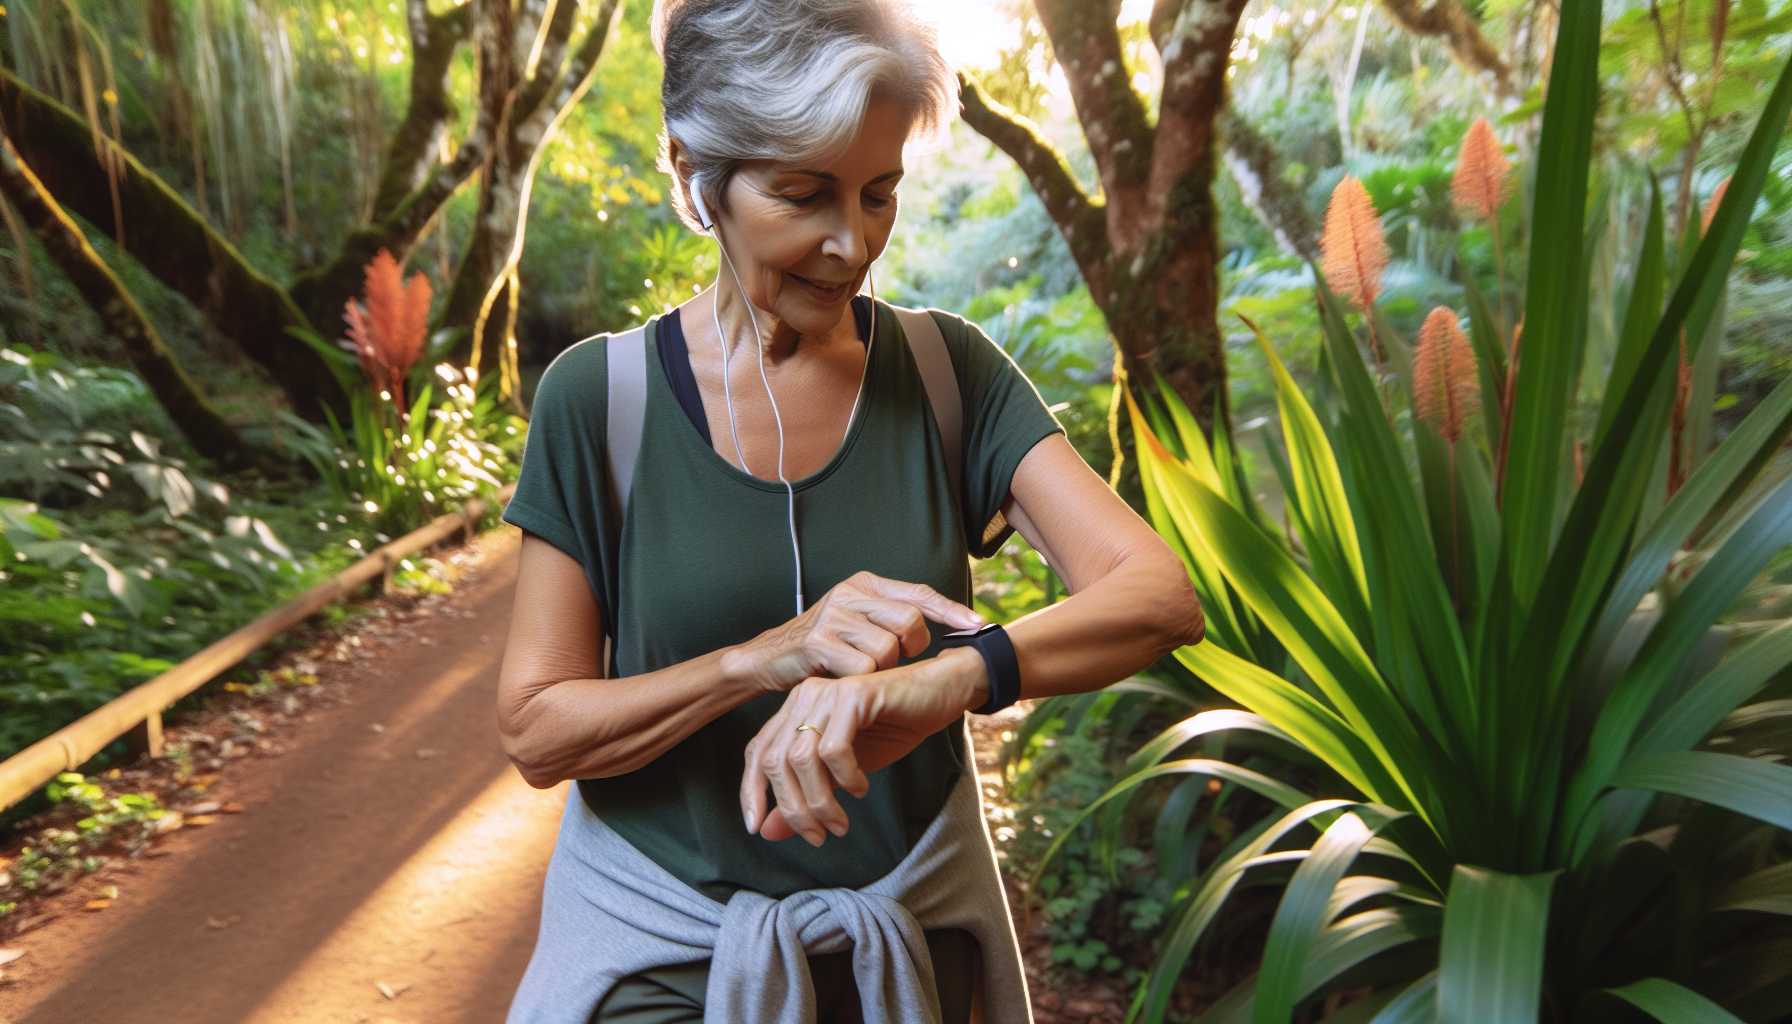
(966, 635)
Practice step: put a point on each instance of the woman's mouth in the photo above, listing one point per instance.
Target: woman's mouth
(821, 292)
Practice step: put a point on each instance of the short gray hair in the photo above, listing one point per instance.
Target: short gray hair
(787, 80)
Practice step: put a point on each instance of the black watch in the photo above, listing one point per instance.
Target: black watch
(992, 642)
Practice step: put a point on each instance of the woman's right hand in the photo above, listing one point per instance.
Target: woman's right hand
(865, 624)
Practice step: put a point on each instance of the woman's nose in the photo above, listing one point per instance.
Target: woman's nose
(846, 241)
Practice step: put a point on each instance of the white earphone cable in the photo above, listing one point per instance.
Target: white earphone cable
(728, 393)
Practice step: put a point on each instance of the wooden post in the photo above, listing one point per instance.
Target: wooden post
(146, 736)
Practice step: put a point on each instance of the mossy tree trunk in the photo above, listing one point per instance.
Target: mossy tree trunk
(210, 434)
(91, 175)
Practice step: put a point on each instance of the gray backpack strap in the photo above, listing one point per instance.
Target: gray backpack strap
(626, 357)
(937, 376)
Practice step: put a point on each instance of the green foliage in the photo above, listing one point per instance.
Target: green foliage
(128, 562)
(1451, 649)
(405, 470)
(56, 855)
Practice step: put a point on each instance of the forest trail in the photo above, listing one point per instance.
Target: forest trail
(411, 857)
(385, 840)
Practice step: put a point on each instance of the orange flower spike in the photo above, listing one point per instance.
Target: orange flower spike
(416, 320)
(386, 309)
(1717, 197)
(1481, 181)
(1443, 374)
(1353, 248)
(360, 334)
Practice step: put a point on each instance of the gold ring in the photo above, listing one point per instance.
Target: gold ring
(809, 727)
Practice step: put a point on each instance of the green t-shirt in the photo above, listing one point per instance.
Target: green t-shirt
(705, 562)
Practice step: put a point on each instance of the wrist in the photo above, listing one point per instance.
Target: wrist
(740, 670)
(965, 669)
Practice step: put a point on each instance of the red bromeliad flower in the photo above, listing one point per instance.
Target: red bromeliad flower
(388, 331)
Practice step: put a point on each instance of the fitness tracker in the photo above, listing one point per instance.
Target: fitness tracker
(992, 643)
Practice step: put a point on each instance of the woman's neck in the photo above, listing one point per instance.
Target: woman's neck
(783, 341)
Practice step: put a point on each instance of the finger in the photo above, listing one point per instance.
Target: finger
(878, 644)
(753, 781)
(836, 751)
(787, 794)
(816, 784)
(841, 657)
(899, 619)
(932, 603)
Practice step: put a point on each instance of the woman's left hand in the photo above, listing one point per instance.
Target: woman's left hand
(866, 722)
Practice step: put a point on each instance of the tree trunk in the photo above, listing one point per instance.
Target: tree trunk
(164, 234)
(210, 433)
(1148, 249)
(519, 109)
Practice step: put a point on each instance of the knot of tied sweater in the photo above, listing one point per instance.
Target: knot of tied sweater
(761, 957)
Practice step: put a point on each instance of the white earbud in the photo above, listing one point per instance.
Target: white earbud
(703, 216)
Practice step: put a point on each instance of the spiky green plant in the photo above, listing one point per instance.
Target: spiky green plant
(1554, 798)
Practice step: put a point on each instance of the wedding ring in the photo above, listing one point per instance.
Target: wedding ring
(809, 727)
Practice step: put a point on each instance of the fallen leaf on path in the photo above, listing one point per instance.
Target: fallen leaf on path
(390, 992)
(233, 808)
(7, 956)
(206, 807)
(222, 922)
(99, 904)
(202, 819)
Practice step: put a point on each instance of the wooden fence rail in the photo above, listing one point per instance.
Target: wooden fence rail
(137, 713)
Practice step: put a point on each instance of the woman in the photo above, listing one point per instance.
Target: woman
(781, 405)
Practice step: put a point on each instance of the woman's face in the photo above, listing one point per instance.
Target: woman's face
(802, 238)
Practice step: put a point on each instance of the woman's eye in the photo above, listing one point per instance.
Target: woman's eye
(877, 202)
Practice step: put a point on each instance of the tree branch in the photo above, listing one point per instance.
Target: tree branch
(434, 38)
(1080, 217)
(1458, 27)
(1196, 48)
(1086, 42)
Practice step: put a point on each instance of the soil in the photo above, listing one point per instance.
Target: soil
(357, 850)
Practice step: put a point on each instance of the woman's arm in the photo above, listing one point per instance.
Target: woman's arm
(1131, 599)
(558, 718)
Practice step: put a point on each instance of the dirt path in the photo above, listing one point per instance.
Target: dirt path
(386, 865)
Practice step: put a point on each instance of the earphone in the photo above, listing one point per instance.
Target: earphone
(709, 225)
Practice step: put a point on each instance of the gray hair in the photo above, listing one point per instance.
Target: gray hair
(787, 80)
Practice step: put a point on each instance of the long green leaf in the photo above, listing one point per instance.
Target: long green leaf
(1715, 483)
(1554, 296)
(1318, 503)
(1303, 618)
(1768, 891)
(1315, 726)
(1491, 964)
(1767, 531)
(1418, 642)
(1691, 308)
(1735, 679)
(1194, 917)
(1749, 786)
(1299, 918)
(1416, 1004)
(1672, 1003)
